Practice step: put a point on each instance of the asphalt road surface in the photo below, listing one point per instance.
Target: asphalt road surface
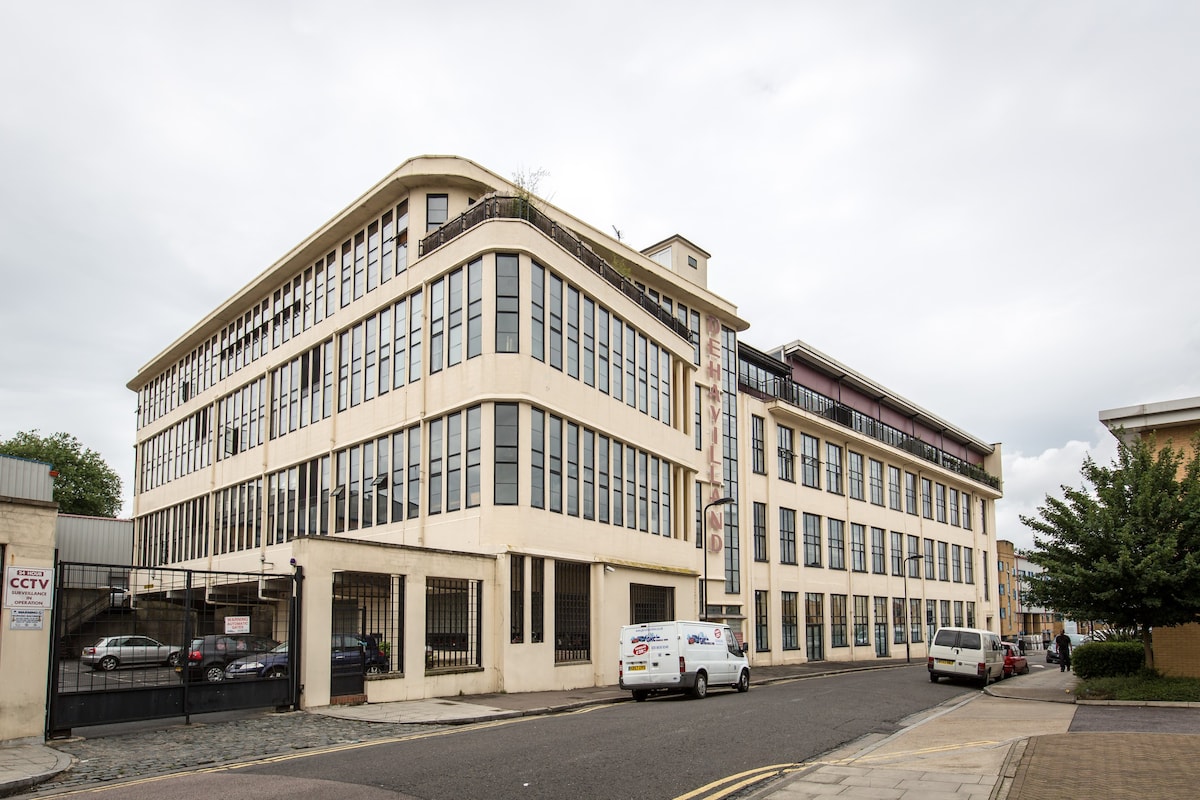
(656, 750)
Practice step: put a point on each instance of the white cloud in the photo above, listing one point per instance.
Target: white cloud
(1028, 479)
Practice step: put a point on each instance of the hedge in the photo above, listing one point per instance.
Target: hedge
(1107, 659)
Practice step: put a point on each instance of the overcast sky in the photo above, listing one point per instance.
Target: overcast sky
(989, 208)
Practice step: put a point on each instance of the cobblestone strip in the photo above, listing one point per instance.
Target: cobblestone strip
(139, 755)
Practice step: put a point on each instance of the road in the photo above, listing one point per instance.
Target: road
(657, 750)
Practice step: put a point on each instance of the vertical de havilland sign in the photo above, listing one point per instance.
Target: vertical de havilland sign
(714, 519)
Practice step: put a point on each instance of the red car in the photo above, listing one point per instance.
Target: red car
(1014, 662)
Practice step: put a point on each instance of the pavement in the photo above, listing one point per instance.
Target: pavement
(1013, 741)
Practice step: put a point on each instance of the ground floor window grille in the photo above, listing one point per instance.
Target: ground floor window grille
(650, 603)
(371, 605)
(881, 626)
(516, 596)
(453, 623)
(572, 612)
(861, 616)
(899, 634)
(537, 599)
(914, 619)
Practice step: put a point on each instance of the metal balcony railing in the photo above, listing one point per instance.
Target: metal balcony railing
(801, 396)
(504, 207)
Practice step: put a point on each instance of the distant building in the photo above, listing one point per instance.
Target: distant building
(1174, 422)
(514, 429)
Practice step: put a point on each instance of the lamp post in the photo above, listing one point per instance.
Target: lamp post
(907, 620)
(722, 501)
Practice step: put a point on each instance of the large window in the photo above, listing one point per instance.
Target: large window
(814, 625)
(650, 603)
(437, 210)
(787, 536)
(516, 598)
(762, 622)
(910, 493)
(855, 474)
(837, 544)
(878, 553)
(787, 458)
(758, 447)
(506, 468)
(789, 614)
(894, 488)
(876, 478)
(838, 622)
(899, 632)
(941, 503)
(858, 547)
(508, 303)
(812, 540)
(760, 532)
(943, 562)
(897, 553)
(914, 556)
(453, 622)
(833, 468)
(572, 612)
(811, 460)
(862, 612)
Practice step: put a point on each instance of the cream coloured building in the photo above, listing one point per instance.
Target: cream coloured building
(493, 434)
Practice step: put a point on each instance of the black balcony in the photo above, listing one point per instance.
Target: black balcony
(503, 207)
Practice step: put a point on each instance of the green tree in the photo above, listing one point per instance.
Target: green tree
(85, 483)
(1125, 548)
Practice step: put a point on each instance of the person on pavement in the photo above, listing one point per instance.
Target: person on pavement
(1063, 643)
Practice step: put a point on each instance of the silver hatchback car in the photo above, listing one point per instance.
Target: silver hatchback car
(111, 652)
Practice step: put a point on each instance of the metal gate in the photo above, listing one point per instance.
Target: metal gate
(139, 643)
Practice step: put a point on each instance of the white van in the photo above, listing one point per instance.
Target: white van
(966, 653)
(681, 656)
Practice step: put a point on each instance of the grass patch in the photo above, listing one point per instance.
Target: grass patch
(1140, 687)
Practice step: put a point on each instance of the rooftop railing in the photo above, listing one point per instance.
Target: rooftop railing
(504, 207)
(801, 396)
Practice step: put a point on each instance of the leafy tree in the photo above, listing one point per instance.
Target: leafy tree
(85, 483)
(1127, 550)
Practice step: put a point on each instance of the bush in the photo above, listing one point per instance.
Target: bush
(1107, 659)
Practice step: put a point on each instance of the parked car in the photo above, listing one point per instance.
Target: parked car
(346, 651)
(1014, 662)
(110, 652)
(1076, 640)
(965, 653)
(208, 656)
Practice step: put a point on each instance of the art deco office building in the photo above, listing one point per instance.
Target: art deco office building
(511, 428)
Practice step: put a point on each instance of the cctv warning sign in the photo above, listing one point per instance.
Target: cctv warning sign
(28, 587)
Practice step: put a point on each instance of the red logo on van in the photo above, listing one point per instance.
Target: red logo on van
(641, 649)
(717, 633)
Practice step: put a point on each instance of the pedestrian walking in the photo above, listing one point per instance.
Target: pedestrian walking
(1063, 643)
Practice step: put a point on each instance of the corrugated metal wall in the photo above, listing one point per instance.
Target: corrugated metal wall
(94, 540)
(25, 480)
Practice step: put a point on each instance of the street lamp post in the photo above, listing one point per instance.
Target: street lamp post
(722, 501)
(907, 616)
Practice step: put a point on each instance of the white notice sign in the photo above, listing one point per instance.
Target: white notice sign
(28, 587)
(26, 620)
(237, 624)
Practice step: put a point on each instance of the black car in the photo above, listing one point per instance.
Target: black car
(349, 654)
(208, 656)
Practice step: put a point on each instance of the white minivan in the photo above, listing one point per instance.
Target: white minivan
(681, 656)
(966, 653)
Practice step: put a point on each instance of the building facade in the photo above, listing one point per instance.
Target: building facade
(27, 518)
(1175, 423)
(496, 443)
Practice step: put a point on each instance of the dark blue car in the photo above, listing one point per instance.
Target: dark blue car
(347, 651)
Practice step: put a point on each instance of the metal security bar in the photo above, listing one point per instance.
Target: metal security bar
(572, 612)
(453, 623)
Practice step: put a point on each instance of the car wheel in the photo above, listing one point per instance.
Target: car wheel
(701, 687)
(214, 673)
(276, 672)
(173, 660)
(1026, 670)
(743, 684)
(640, 695)
(933, 677)
(108, 663)
(374, 670)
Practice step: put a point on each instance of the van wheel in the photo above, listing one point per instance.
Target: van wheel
(743, 684)
(640, 695)
(701, 687)
(933, 677)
